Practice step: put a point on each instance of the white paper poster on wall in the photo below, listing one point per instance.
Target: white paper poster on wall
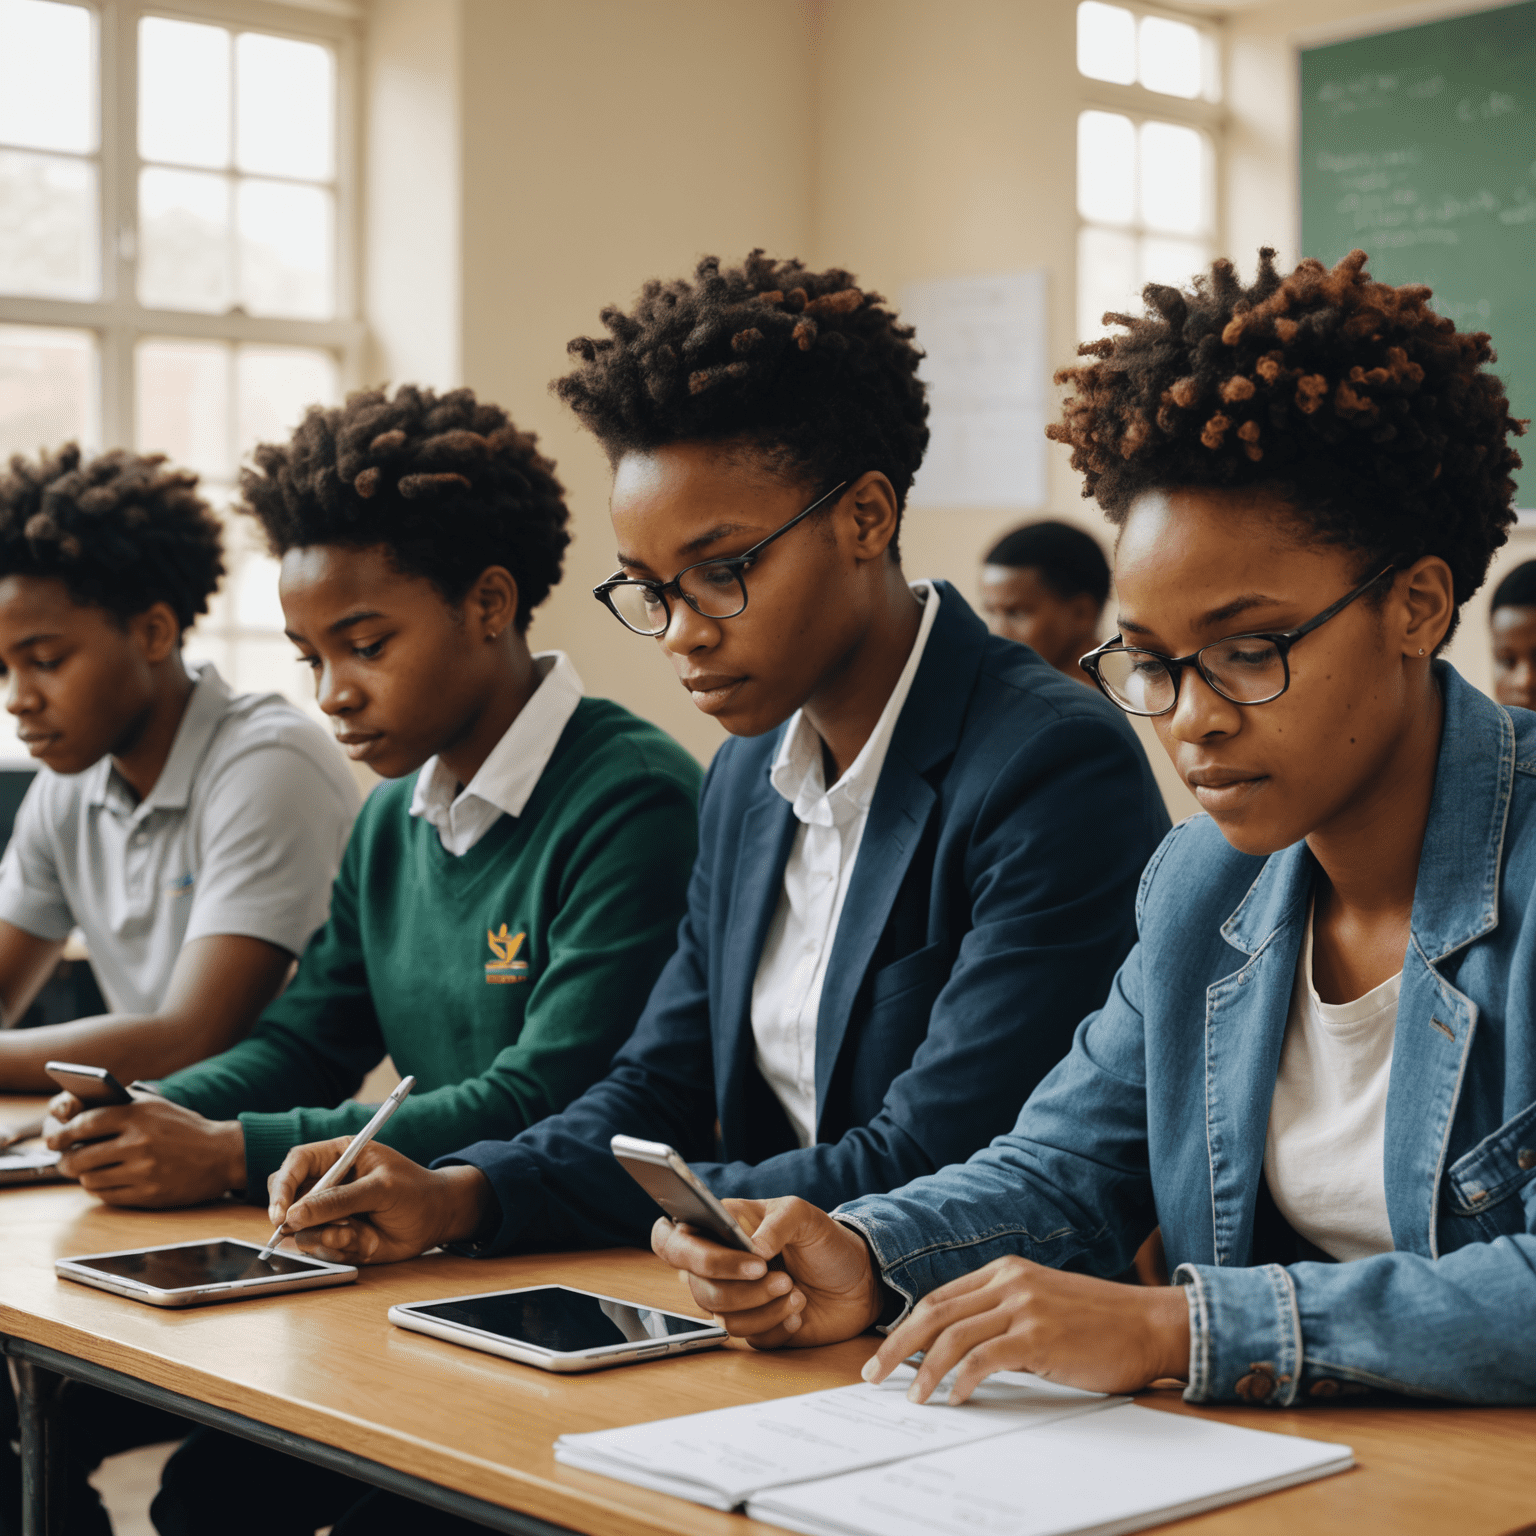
(986, 374)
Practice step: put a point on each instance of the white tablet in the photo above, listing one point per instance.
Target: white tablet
(196, 1274)
(558, 1328)
(36, 1167)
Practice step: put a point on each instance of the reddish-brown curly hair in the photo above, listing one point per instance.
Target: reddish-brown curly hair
(1373, 416)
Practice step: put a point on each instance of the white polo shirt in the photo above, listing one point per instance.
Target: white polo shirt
(242, 833)
(786, 992)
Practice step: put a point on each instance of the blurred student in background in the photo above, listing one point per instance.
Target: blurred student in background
(190, 832)
(1512, 619)
(1045, 585)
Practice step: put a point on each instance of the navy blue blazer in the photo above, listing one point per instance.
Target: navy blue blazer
(991, 903)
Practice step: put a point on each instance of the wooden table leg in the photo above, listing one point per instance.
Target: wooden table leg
(42, 1461)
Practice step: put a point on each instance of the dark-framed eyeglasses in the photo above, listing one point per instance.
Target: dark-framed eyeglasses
(1245, 669)
(717, 589)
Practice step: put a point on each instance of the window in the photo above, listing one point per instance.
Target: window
(176, 198)
(1146, 156)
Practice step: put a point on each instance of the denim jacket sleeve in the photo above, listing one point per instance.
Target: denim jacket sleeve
(1068, 1187)
(1454, 1327)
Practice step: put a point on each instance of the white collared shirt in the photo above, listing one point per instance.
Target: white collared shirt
(507, 777)
(786, 994)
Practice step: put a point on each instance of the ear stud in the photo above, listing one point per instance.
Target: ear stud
(1421, 650)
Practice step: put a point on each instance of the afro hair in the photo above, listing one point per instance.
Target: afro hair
(445, 483)
(121, 531)
(1372, 415)
(807, 368)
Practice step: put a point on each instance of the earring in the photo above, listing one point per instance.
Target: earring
(1421, 650)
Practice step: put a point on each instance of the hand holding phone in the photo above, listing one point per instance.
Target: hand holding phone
(678, 1190)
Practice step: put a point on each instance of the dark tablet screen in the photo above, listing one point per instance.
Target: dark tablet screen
(194, 1264)
(561, 1320)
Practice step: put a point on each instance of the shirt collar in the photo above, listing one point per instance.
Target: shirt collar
(796, 772)
(516, 763)
(205, 709)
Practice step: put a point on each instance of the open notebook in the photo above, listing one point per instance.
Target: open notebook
(723, 1457)
(1024, 1458)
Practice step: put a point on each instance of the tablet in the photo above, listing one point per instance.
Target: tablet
(559, 1328)
(39, 1167)
(196, 1274)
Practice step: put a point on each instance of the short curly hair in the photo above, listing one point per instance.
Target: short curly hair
(122, 531)
(805, 367)
(1372, 415)
(446, 483)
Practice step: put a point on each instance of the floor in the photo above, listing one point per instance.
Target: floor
(127, 1483)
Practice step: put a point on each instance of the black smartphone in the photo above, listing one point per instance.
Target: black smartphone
(95, 1087)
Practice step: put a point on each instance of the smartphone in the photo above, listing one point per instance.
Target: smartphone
(559, 1328)
(198, 1274)
(677, 1189)
(95, 1087)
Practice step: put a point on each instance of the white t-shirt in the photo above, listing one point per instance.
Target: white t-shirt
(1324, 1154)
(242, 833)
(786, 993)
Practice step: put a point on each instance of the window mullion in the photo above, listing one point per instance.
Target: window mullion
(119, 134)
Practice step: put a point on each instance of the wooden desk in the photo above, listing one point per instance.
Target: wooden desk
(324, 1375)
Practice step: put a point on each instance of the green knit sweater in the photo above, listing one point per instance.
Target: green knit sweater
(504, 979)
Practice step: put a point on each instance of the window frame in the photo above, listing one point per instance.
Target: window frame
(1141, 105)
(117, 318)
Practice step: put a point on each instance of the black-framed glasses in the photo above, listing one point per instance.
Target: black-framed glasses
(1246, 669)
(717, 589)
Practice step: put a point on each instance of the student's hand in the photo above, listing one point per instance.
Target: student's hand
(388, 1208)
(828, 1289)
(151, 1153)
(1013, 1315)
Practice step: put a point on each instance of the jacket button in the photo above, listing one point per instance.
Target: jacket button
(1526, 1157)
(1258, 1385)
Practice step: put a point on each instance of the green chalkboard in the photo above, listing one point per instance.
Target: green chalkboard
(1419, 147)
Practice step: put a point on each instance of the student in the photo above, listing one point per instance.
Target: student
(1045, 585)
(1317, 1068)
(918, 852)
(1512, 619)
(191, 833)
(507, 900)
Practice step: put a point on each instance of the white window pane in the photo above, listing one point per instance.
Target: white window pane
(183, 92)
(1106, 42)
(256, 601)
(274, 386)
(1170, 57)
(47, 389)
(1108, 277)
(286, 247)
(47, 78)
(183, 404)
(48, 239)
(203, 643)
(1175, 262)
(273, 666)
(285, 96)
(1173, 179)
(184, 247)
(1106, 167)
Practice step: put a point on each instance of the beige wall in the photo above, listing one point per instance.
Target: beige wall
(599, 142)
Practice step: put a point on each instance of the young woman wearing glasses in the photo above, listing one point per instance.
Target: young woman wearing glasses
(1317, 1070)
(919, 850)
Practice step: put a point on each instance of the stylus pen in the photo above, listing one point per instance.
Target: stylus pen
(343, 1164)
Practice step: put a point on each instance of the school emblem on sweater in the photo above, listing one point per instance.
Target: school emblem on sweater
(506, 967)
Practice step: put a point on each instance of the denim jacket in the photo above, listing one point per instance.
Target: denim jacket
(1159, 1114)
